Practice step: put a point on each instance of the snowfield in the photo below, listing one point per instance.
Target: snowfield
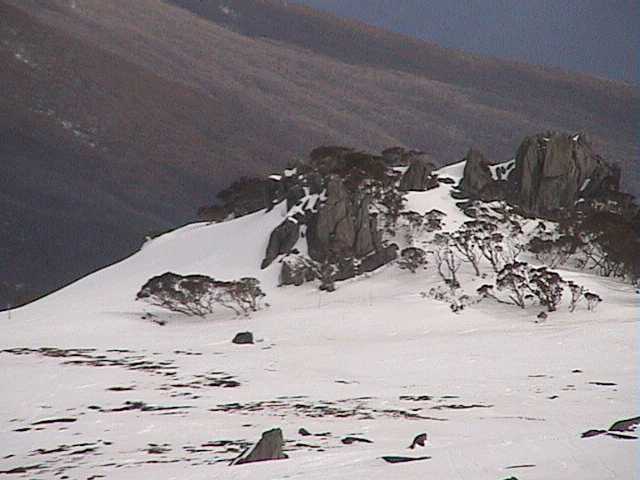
(91, 389)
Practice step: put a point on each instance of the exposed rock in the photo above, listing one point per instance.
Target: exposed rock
(419, 441)
(477, 182)
(379, 258)
(352, 440)
(554, 170)
(628, 425)
(243, 338)
(282, 240)
(341, 228)
(417, 176)
(268, 448)
(551, 172)
(296, 271)
(336, 216)
(396, 459)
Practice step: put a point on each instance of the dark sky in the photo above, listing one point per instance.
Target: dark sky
(599, 37)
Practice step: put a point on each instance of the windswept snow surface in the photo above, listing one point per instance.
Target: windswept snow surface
(93, 390)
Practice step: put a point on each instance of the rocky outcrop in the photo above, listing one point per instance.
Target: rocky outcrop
(418, 176)
(477, 180)
(282, 240)
(269, 447)
(296, 271)
(342, 227)
(551, 172)
(554, 170)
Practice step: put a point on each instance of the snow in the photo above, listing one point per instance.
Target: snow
(440, 198)
(507, 166)
(357, 351)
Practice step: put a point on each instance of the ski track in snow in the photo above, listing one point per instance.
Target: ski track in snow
(91, 390)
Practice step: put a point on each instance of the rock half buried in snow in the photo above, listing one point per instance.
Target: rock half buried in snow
(243, 338)
(419, 441)
(628, 425)
(268, 448)
(395, 459)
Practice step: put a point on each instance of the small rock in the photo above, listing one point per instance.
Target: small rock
(243, 338)
(304, 432)
(350, 440)
(419, 441)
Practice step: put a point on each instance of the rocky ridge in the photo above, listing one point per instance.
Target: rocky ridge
(343, 205)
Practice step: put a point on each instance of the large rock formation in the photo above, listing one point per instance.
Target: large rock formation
(554, 170)
(342, 227)
(418, 176)
(551, 172)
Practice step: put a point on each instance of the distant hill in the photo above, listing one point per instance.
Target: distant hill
(120, 118)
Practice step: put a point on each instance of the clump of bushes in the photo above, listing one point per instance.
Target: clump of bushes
(200, 295)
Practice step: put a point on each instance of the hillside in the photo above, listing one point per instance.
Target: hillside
(155, 106)
(102, 384)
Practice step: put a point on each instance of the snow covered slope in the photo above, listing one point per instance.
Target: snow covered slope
(93, 390)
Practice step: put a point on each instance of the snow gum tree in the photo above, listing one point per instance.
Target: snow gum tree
(199, 295)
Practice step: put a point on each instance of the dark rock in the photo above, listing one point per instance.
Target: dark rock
(282, 240)
(396, 459)
(342, 226)
(554, 170)
(296, 271)
(304, 432)
(332, 229)
(293, 195)
(419, 441)
(269, 447)
(621, 436)
(345, 269)
(592, 433)
(628, 425)
(477, 181)
(378, 259)
(243, 338)
(351, 440)
(417, 176)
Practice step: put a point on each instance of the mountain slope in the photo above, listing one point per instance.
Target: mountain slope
(151, 109)
(497, 394)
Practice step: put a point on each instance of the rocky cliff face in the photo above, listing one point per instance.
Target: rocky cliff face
(551, 172)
